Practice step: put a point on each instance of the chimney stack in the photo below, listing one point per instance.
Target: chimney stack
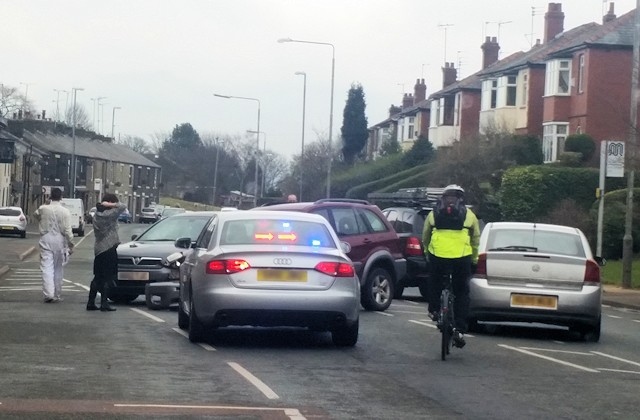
(490, 50)
(553, 21)
(610, 14)
(449, 74)
(419, 91)
(393, 110)
(407, 101)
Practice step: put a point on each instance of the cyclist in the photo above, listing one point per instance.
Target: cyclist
(450, 237)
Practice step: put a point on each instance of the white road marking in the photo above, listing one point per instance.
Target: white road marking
(82, 286)
(148, 315)
(185, 335)
(636, 320)
(425, 324)
(410, 303)
(620, 371)
(31, 289)
(581, 353)
(614, 316)
(407, 312)
(268, 392)
(606, 306)
(83, 238)
(559, 342)
(551, 359)
(616, 358)
(384, 313)
(292, 413)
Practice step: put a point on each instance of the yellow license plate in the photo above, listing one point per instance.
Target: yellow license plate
(133, 275)
(282, 275)
(534, 301)
(7, 227)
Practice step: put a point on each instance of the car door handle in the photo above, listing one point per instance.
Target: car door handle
(366, 240)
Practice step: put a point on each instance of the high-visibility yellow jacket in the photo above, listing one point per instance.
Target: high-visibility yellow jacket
(445, 243)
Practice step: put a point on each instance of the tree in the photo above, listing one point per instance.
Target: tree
(354, 124)
(390, 145)
(313, 166)
(11, 101)
(421, 152)
(137, 144)
(185, 137)
(82, 118)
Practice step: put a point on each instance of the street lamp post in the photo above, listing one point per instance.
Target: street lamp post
(264, 152)
(58, 103)
(333, 67)
(26, 95)
(113, 123)
(72, 193)
(304, 105)
(215, 171)
(255, 193)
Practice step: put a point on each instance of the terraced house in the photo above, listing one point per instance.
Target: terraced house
(575, 81)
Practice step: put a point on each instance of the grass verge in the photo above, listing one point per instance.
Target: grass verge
(612, 273)
(188, 205)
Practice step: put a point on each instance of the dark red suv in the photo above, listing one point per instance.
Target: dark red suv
(376, 249)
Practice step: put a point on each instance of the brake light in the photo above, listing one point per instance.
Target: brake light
(592, 273)
(335, 269)
(481, 268)
(413, 247)
(21, 218)
(226, 266)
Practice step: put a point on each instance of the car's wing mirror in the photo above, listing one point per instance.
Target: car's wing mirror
(184, 243)
(133, 237)
(346, 248)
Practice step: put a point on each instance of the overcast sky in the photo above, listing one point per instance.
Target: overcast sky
(161, 61)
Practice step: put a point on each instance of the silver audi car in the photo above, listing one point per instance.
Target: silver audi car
(533, 272)
(269, 269)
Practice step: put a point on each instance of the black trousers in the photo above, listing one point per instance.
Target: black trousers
(105, 273)
(460, 269)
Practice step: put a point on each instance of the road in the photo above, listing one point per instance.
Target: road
(59, 361)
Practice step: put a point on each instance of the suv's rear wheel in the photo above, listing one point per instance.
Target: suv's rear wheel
(377, 291)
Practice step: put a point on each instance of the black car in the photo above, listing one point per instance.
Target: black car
(140, 261)
(408, 223)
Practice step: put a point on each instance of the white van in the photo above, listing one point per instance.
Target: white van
(76, 207)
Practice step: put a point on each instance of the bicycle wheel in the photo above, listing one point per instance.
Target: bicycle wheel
(445, 325)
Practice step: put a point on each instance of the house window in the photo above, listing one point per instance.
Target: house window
(557, 77)
(494, 94)
(441, 111)
(525, 89)
(435, 111)
(410, 132)
(581, 74)
(554, 135)
(512, 86)
(402, 133)
(131, 175)
(456, 109)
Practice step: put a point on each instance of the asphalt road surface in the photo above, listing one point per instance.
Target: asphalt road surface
(58, 361)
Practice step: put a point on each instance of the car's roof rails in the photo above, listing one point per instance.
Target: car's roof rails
(342, 200)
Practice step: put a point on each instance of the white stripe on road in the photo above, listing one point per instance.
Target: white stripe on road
(268, 392)
(407, 312)
(83, 238)
(383, 313)
(606, 306)
(620, 371)
(616, 358)
(185, 335)
(292, 413)
(558, 351)
(614, 316)
(636, 320)
(425, 324)
(410, 303)
(82, 286)
(551, 359)
(148, 315)
(31, 288)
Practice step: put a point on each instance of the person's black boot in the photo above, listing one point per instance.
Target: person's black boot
(93, 292)
(104, 303)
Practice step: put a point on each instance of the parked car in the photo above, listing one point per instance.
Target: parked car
(376, 249)
(148, 215)
(13, 221)
(266, 268)
(533, 272)
(90, 215)
(408, 222)
(76, 208)
(140, 261)
(171, 211)
(125, 216)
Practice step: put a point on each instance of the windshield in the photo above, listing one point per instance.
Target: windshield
(9, 212)
(175, 227)
(276, 232)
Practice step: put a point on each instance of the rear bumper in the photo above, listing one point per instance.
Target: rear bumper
(12, 229)
(493, 303)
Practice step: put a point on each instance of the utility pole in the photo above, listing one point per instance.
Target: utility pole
(627, 241)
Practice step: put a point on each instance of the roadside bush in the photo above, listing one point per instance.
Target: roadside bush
(358, 174)
(580, 143)
(615, 210)
(412, 177)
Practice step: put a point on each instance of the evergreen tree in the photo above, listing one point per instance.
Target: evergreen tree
(421, 152)
(354, 124)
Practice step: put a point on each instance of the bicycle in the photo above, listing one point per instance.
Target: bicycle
(446, 318)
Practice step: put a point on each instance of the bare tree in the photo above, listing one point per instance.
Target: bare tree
(82, 117)
(137, 144)
(157, 140)
(11, 101)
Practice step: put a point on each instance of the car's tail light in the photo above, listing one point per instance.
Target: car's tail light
(481, 268)
(335, 269)
(226, 266)
(592, 273)
(413, 247)
(22, 219)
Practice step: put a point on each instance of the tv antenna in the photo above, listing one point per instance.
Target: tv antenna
(535, 11)
(445, 26)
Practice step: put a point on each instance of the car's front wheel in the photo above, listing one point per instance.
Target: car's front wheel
(346, 336)
(377, 291)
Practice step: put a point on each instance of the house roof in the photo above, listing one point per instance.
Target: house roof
(423, 105)
(96, 149)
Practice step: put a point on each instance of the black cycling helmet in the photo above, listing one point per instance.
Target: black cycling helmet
(453, 190)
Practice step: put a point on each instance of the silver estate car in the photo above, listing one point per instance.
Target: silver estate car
(532, 272)
(269, 269)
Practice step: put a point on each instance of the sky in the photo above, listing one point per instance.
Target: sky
(162, 61)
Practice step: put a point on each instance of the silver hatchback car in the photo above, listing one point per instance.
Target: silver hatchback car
(266, 268)
(532, 272)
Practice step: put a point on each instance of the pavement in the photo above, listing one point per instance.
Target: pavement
(14, 249)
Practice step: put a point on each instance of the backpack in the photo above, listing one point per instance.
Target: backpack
(449, 215)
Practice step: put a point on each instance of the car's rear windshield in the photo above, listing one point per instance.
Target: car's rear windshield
(541, 241)
(276, 232)
(148, 210)
(173, 228)
(9, 212)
